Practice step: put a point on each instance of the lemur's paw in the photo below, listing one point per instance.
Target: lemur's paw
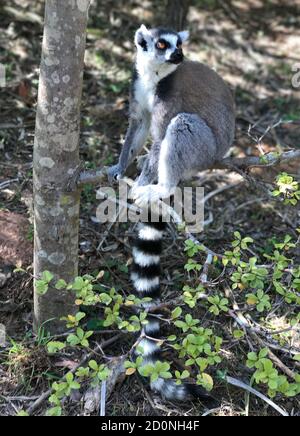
(114, 173)
(144, 196)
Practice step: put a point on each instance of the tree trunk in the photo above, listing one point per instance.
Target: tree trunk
(177, 12)
(56, 157)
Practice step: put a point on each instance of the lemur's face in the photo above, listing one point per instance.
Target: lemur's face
(160, 46)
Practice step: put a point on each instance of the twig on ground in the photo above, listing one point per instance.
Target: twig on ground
(117, 372)
(208, 262)
(21, 398)
(237, 383)
(103, 399)
(211, 412)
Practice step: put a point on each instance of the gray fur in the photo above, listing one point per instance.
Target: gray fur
(188, 110)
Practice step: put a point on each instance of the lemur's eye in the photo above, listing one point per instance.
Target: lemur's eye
(161, 45)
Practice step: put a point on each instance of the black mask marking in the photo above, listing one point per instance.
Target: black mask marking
(142, 42)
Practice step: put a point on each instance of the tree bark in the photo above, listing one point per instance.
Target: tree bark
(56, 157)
(177, 12)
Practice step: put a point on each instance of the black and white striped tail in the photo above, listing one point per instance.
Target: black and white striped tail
(145, 275)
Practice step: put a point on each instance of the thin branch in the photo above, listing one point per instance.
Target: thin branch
(94, 177)
(237, 383)
(208, 262)
(269, 160)
(103, 399)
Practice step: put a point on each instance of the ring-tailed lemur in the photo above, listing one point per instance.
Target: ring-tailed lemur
(190, 113)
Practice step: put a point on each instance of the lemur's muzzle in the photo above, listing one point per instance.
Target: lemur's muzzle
(176, 57)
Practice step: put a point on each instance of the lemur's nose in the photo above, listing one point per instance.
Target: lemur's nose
(177, 56)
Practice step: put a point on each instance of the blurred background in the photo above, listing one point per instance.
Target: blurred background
(254, 45)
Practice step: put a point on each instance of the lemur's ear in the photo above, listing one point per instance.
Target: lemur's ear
(142, 37)
(185, 35)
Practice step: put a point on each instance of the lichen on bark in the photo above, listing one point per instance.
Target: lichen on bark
(56, 156)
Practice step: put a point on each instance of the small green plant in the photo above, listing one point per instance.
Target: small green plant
(60, 391)
(22, 413)
(188, 324)
(156, 371)
(266, 373)
(287, 189)
(192, 265)
(250, 276)
(260, 300)
(200, 348)
(99, 373)
(79, 338)
(192, 249)
(238, 245)
(206, 381)
(218, 305)
(192, 295)
(133, 367)
(74, 320)
(55, 346)
(181, 376)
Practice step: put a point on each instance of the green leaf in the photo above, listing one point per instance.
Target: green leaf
(93, 365)
(185, 374)
(83, 372)
(253, 357)
(176, 313)
(41, 287)
(75, 386)
(273, 384)
(61, 284)
(55, 346)
(238, 334)
(69, 377)
(73, 340)
(263, 353)
(165, 374)
(47, 276)
(78, 284)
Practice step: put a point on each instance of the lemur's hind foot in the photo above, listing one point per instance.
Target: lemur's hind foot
(145, 196)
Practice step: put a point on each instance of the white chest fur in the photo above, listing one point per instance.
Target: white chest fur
(149, 75)
(145, 92)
